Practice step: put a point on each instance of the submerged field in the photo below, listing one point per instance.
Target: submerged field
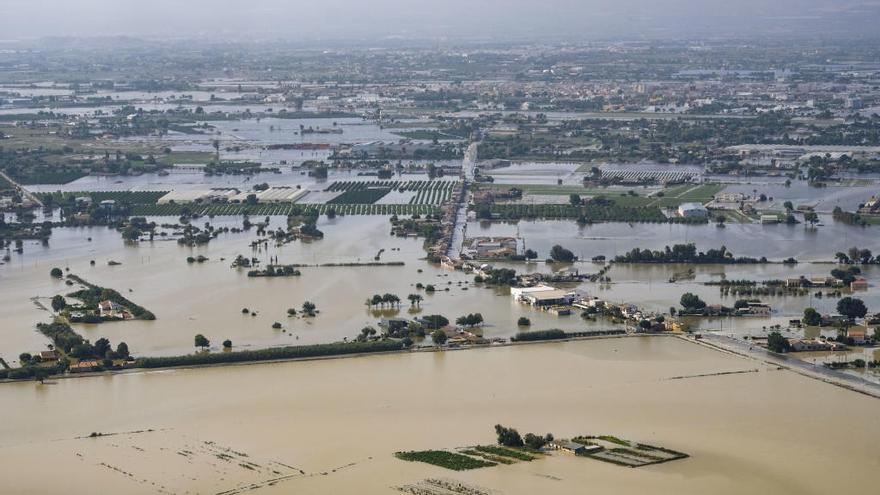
(304, 427)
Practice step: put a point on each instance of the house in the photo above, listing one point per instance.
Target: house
(804, 345)
(756, 308)
(692, 210)
(574, 447)
(47, 356)
(109, 309)
(84, 366)
(860, 283)
(769, 219)
(858, 335)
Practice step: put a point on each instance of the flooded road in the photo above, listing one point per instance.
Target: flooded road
(332, 426)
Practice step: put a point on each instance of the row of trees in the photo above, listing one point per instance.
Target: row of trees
(509, 437)
(684, 253)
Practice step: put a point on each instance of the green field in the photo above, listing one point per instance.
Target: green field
(442, 458)
(360, 196)
(428, 192)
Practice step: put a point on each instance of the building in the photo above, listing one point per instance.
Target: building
(574, 447)
(517, 292)
(692, 210)
(84, 366)
(48, 356)
(858, 335)
(803, 345)
(110, 309)
(769, 219)
(542, 296)
(755, 308)
(860, 283)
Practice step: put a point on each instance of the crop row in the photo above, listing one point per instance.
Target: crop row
(588, 213)
(283, 209)
(360, 196)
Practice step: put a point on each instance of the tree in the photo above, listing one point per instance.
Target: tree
(308, 308)
(56, 273)
(777, 343)
(25, 358)
(508, 437)
(435, 321)
(58, 303)
(534, 441)
(523, 321)
(122, 350)
(530, 254)
(574, 199)
(811, 217)
(788, 205)
(102, 345)
(812, 318)
(692, 302)
(202, 341)
(470, 320)
(227, 344)
(414, 299)
(561, 255)
(852, 308)
(438, 337)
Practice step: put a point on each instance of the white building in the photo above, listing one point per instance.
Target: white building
(692, 210)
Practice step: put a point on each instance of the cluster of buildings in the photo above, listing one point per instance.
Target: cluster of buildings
(860, 283)
(481, 248)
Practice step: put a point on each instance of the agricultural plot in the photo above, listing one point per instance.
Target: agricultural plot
(417, 192)
(612, 213)
(366, 196)
(468, 458)
(444, 459)
(230, 209)
(127, 197)
(627, 453)
(397, 197)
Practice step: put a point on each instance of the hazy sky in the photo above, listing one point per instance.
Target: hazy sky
(310, 19)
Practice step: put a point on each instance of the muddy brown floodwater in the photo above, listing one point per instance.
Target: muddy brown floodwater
(332, 426)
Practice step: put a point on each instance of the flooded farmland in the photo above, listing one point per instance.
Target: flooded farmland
(326, 426)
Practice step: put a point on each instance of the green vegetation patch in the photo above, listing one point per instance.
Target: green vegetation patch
(442, 458)
(505, 452)
(360, 196)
